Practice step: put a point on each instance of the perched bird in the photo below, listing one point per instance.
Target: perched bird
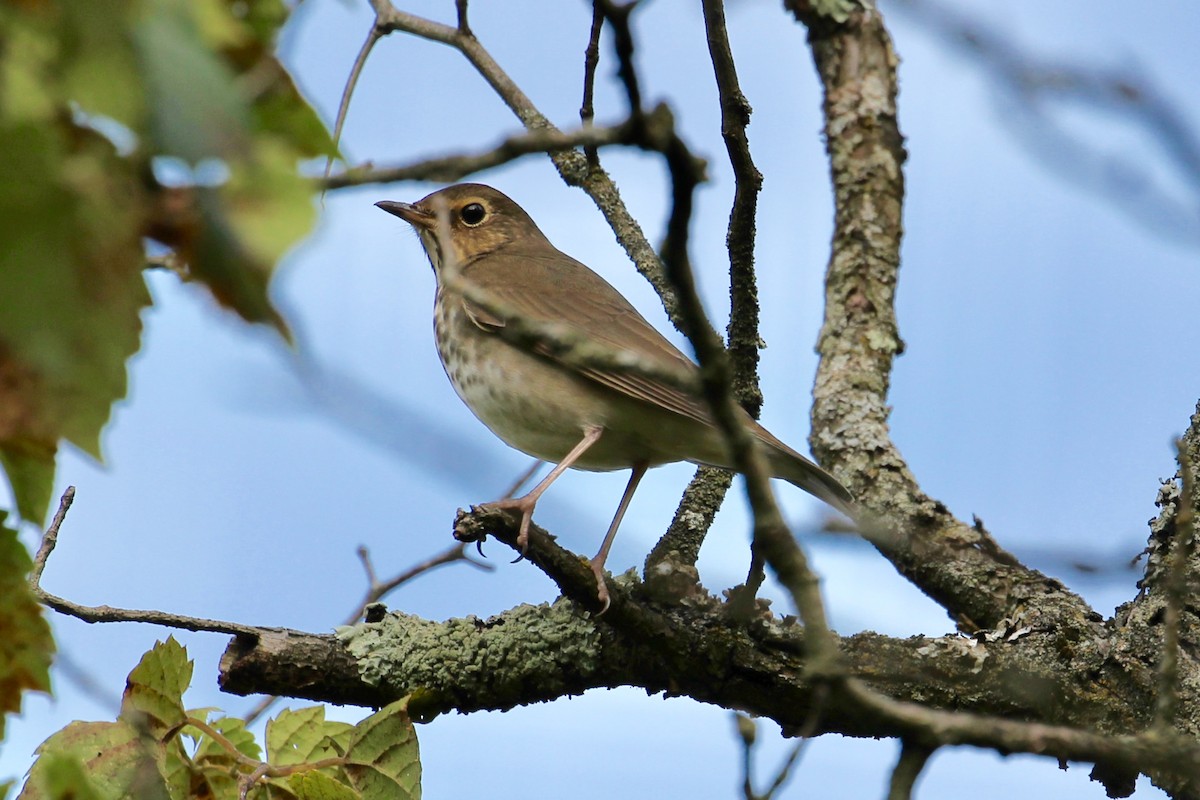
(581, 417)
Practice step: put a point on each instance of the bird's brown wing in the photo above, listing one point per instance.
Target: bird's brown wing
(573, 295)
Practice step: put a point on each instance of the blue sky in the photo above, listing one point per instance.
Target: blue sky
(1041, 388)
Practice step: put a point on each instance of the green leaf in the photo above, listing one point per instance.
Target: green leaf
(194, 79)
(304, 735)
(221, 260)
(154, 690)
(116, 760)
(196, 111)
(384, 760)
(59, 775)
(26, 645)
(249, 45)
(100, 70)
(29, 466)
(70, 295)
(315, 785)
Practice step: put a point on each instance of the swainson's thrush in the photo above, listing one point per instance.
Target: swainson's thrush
(591, 419)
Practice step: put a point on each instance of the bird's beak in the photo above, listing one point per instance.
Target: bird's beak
(417, 217)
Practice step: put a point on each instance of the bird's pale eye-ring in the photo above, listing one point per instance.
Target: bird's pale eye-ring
(473, 213)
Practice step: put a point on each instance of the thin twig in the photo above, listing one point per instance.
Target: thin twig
(743, 333)
(771, 533)
(748, 733)
(377, 590)
(522, 479)
(360, 61)
(785, 769)
(460, 9)
(743, 337)
(693, 517)
(618, 18)
(1169, 751)
(452, 168)
(50, 539)
(109, 613)
(913, 757)
(591, 60)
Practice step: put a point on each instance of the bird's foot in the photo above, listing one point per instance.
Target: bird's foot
(525, 506)
(602, 595)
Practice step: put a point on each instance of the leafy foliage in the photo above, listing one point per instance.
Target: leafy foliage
(25, 641)
(156, 749)
(166, 119)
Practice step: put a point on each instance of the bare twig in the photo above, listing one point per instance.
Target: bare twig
(743, 333)
(771, 533)
(360, 61)
(50, 539)
(1168, 751)
(693, 517)
(744, 341)
(456, 167)
(591, 60)
(913, 757)
(377, 590)
(108, 613)
(618, 18)
(748, 733)
(460, 9)
(522, 479)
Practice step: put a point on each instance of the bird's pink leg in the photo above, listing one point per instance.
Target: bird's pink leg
(598, 560)
(526, 502)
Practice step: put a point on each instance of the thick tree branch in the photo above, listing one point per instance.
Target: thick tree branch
(956, 564)
(531, 654)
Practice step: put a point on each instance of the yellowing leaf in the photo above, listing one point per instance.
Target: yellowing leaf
(71, 291)
(313, 785)
(26, 645)
(384, 760)
(118, 761)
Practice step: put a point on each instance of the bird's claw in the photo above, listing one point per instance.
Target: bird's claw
(601, 588)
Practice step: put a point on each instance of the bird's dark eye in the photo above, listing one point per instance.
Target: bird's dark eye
(473, 213)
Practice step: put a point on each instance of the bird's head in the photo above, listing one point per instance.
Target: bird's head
(471, 218)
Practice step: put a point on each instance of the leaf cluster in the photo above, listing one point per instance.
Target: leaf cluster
(136, 133)
(158, 750)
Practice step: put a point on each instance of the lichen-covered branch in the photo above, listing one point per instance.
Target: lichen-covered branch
(531, 654)
(956, 564)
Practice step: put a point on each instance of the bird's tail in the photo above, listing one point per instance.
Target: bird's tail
(799, 471)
